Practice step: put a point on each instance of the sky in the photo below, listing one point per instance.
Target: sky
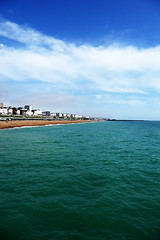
(98, 58)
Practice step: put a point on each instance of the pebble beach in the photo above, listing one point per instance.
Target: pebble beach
(21, 123)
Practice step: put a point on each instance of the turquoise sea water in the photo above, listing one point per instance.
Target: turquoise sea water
(81, 181)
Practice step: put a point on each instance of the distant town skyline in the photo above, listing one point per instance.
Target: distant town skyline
(28, 111)
(93, 57)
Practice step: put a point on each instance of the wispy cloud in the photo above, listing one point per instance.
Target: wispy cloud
(27, 35)
(72, 69)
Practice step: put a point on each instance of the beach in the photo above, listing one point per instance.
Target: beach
(22, 123)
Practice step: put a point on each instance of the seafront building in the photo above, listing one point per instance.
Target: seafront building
(29, 112)
(1, 105)
(28, 108)
(3, 111)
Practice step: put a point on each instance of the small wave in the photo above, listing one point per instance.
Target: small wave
(25, 127)
(49, 125)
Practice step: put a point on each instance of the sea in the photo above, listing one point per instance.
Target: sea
(87, 181)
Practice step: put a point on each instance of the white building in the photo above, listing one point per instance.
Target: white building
(3, 111)
(73, 115)
(59, 114)
(64, 115)
(18, 112)
(37, 112)
(46, 113)
(10, 111)
(77, 116)
(29, 113)
(68, 115)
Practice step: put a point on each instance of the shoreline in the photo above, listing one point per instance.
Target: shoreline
(32, 123)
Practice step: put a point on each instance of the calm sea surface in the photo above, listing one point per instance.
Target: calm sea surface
(88, 181)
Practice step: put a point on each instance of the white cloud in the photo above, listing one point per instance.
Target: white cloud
(98, 96)
(85, 68)
(28, 36)
(109, 68)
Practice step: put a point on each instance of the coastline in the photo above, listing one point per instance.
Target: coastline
(25, 123)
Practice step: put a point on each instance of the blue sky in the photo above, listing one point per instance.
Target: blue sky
(91, 57)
